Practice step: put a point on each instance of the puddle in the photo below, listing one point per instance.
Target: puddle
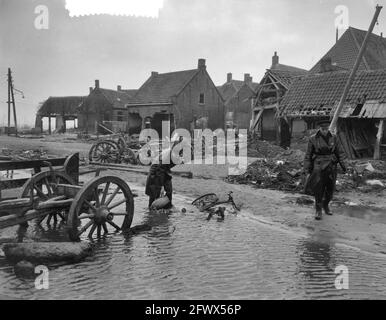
(372, 214)
(185, 256)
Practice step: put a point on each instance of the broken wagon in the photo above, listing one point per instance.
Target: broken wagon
(103, 203)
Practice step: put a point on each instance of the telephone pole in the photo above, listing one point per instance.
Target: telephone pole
(11, 100)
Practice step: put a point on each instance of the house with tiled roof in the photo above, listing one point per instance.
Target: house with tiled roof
(238, 96)
(345, 51)
(185, 99)
(315, 97)
(104, 110)
(273, 87)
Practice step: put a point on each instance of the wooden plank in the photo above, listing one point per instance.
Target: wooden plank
(29, 164)
(12, 184)
(141, 170)
(14, 220)
(67, 190)
(377, 148)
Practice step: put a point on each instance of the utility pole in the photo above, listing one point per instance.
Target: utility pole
(334, 123)
(11, 99)
(9, 102)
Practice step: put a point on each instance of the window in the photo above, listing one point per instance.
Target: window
(202, 98)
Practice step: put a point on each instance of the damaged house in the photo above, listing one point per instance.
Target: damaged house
(346, 50)
(186, 99)
(273, 87)
(238, 96)
(315, 97)
(104, 110)
(62, 109)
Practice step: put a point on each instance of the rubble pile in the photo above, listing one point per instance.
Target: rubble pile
(281, 172)
(263, 149)
(20, 155)
(280, 169)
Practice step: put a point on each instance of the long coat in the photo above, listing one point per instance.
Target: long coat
(321, 155)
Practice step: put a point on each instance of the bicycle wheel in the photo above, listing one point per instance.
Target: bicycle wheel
(205, 200)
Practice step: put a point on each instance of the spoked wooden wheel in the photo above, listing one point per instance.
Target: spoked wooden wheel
(43, 185)
(102, 204)
(205, 200)
(129, 156)
(104, 152)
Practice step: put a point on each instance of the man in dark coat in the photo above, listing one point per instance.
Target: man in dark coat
(324, 152)
(160, 176)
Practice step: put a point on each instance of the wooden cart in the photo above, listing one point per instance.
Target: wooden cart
(55, 194)
(121, 150)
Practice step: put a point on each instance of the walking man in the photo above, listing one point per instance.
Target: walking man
(324, 152)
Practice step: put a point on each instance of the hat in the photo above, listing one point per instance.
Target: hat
(324, 123)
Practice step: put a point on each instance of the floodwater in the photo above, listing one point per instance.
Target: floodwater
(185, 256)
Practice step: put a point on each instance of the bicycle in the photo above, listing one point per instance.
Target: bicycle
(210, 200)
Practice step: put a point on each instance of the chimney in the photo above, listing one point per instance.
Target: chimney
(91, 89)
(154, 73)
(96, 84)
(326, 65)
(229, 77)
(201, 64)
(247, 78)
(275, 60)
(119, 88)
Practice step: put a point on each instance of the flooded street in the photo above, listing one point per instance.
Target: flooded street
(185, 256)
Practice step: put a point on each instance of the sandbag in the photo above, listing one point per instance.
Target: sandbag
(47, 252)
(160, 203)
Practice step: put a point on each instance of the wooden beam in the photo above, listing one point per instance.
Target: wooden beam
(29, 164)
(334, 123)
(377, 148)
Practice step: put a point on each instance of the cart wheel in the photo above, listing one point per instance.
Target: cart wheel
(43, 186)
(129, 156)
(104, 152)
(205, 200)
(102, 203)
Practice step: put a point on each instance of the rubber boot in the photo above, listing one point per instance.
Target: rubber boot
(318, 215)
(327, 210)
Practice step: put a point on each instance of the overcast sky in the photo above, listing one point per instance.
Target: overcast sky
(237, 36)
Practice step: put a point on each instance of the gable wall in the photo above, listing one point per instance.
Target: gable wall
(187, 107)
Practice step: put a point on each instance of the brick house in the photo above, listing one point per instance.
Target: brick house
(238, 96)
(105, 107)
(187, 99)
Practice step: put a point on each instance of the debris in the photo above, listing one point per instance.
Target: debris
(375, 183)
(305, 200)
(25, 269)
(20, 155)
(263, 149)
(47, 252)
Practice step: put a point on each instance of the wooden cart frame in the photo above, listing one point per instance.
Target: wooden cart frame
(56, 194)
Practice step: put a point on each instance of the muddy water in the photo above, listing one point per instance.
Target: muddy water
(186, 257)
